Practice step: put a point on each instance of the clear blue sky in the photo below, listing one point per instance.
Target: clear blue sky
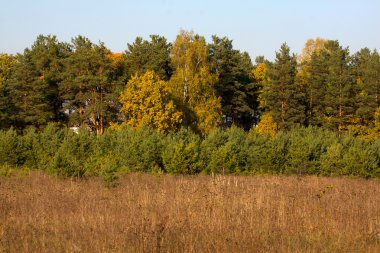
(258, 27)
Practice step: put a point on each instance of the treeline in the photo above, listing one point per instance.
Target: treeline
(189, 83)
(300, 151)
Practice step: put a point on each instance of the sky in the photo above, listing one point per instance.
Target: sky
(258, 27)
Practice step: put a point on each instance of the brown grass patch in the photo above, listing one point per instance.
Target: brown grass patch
(146, 213)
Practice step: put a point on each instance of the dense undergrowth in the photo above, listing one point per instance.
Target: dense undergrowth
(306, 151)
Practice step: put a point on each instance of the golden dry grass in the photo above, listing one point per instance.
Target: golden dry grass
(147, 213)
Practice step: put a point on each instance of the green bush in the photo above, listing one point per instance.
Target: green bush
(332, 161)
(109, 171)
(135, 149)
(27, 148)
(49, 141)
(76, 155)
(359, 160)
(224, 151)
(306, 146)
(375, 147)
(5, 170)
(182, 153)
(267, 155)
(312, 151)
(9, 151)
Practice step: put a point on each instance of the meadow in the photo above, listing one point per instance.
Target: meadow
(40, 212)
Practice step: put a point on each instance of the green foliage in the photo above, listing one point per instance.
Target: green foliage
(75, 155)
(33, 84)
(87, 88)
(52, 84)
(306, 146)
(331, 161)
(311, 151)
(6, 170)
(153, 55)
(9, 148)
(367, 71)
(49, 141)
(27, 148)
(281, 95)
(181, 154)
(224, 151)
(109, 171)
(340, 89)
(135, 149)
(234, 86)
(359, 159)
(7, 63)
(276, 153)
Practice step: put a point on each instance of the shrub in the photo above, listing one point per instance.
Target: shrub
(359, 160)
(182, 153)
(9, 148)
(49, 141)
(76, 154)
(109, 171)
(224, 151)
(331, 161)
(267, 155)
(136, 149)
(306, 146)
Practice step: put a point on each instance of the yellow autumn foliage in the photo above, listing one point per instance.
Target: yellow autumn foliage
(147, 100)
(267, 126)
(260, 72)
(310, 47)
(193, 83)
(6, 64)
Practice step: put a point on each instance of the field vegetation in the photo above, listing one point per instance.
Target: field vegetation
(167, 213)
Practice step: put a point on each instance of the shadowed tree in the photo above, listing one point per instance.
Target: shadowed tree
(7, 63)
(234, 86)
(33, 86)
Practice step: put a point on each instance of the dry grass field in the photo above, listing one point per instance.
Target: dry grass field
(148, 213)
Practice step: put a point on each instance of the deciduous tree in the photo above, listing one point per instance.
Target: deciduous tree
(147, 100)
(193, 83)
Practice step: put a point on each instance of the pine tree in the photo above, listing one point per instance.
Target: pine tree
(7, 63)
(33, 86)
(87, 88)
(367, 73)
(234, 86)
(339, 100)
(153, 55)
(315, 89)
(281, 96)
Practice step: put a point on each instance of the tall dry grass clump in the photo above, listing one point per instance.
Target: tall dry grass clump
(147, 213)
